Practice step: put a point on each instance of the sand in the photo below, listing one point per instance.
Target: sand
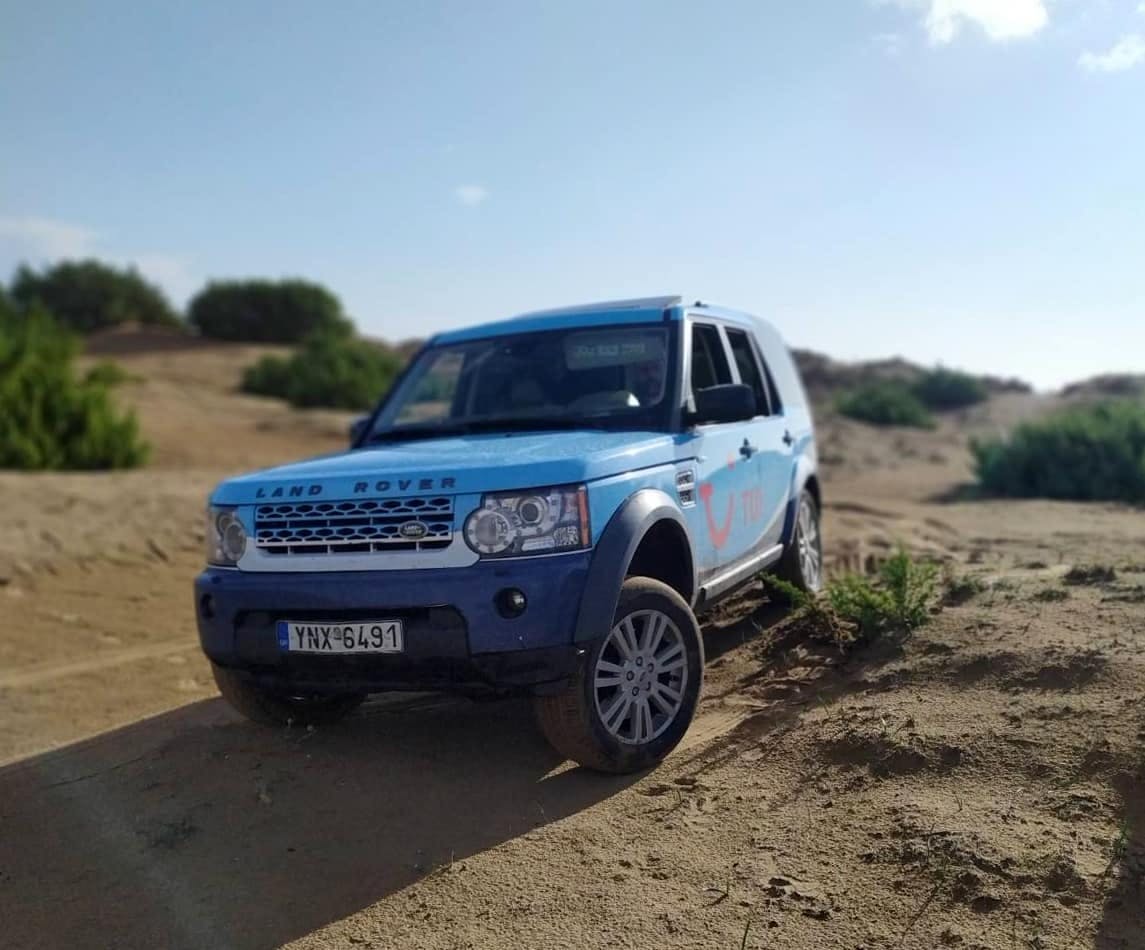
(982, 785)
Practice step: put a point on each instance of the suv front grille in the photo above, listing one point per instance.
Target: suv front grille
(354, 527)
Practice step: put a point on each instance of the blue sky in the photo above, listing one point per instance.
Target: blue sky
(951, 180)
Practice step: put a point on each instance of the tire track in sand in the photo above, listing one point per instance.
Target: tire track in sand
(15, 679)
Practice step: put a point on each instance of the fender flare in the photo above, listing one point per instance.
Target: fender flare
(801, 472)
(613, 554)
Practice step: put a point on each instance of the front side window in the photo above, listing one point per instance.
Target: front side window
(614, 377)
(709, 363)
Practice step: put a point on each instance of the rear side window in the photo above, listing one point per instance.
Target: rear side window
(709, 363)
(749, 371)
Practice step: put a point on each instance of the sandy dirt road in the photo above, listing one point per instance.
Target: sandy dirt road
(982, 786)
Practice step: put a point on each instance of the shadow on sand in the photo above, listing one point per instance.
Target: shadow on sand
(195, 829)
(1122, 924)
(192, 829)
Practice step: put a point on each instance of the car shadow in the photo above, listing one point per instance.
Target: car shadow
(1123, 916)
(197, 829)
(748, 615)
(194, 829)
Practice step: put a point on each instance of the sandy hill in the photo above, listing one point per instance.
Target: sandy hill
(979, 786)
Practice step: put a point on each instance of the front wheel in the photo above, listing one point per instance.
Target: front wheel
(270, 708)
(634, 695)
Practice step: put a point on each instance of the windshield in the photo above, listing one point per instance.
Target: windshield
(615, 377)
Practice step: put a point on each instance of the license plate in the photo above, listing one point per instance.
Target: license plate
(364, 636)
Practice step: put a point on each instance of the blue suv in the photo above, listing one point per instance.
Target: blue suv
(540, 505)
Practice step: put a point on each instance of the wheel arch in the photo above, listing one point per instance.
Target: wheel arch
(812, 485)
(803, 476)
(647, 533)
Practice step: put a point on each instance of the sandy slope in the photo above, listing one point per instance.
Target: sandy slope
(984, 786)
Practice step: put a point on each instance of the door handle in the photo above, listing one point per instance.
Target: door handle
(787, 438)
(747, 450)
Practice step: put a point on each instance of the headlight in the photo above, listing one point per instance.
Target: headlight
(542, 521)
(226, 536)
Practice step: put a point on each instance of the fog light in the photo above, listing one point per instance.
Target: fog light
(207, 607)
(510, 602)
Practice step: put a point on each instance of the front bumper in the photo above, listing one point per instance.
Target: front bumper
(454, 636)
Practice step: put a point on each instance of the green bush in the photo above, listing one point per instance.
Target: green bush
(110, 375)
(943, 389)
(896, 601)
(328, 371)
(1093, 453)
(784, 593)
(853, 609)
(885, 404)
(49, 417)
(267, 311)
(89, 295)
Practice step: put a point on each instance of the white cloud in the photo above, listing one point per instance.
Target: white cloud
(471, 195)
(43, 239)
(1126, 53)
(1001, 20)
(40, 241)
(171, 272)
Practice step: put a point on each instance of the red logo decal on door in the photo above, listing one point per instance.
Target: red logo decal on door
(718, 534)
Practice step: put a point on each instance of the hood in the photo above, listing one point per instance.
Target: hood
(468, 464)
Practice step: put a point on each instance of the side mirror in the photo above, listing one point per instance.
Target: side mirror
(730, 402)
(357, 427)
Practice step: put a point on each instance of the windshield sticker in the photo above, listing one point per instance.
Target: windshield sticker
(600, 350)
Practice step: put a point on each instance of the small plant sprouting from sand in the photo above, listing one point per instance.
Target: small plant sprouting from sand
(854, 610)
(1051, 595)
(1121, 843)
(896, 601)
(1121, 857)
(1090, 574)
(960, 590)
(784, 592)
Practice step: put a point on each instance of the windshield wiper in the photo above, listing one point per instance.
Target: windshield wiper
(529, 423)
(508, 424)
(417, 432)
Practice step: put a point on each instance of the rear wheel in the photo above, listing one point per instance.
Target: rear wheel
(802, 563)
(634, 696)
(273, 708)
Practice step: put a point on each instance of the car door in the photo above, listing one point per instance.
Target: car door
(767, 450)
(724, 477)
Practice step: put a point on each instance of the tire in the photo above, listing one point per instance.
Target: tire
(269, 708)
(802, 562)
(596, 724)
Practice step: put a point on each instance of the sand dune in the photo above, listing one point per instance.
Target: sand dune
(983, 786)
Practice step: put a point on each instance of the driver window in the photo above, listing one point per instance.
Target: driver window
(709, 362)
(749, 369)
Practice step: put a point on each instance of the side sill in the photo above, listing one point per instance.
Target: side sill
(731, 578)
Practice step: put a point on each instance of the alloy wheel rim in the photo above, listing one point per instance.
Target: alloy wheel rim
(640, 677)
(810, 549)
